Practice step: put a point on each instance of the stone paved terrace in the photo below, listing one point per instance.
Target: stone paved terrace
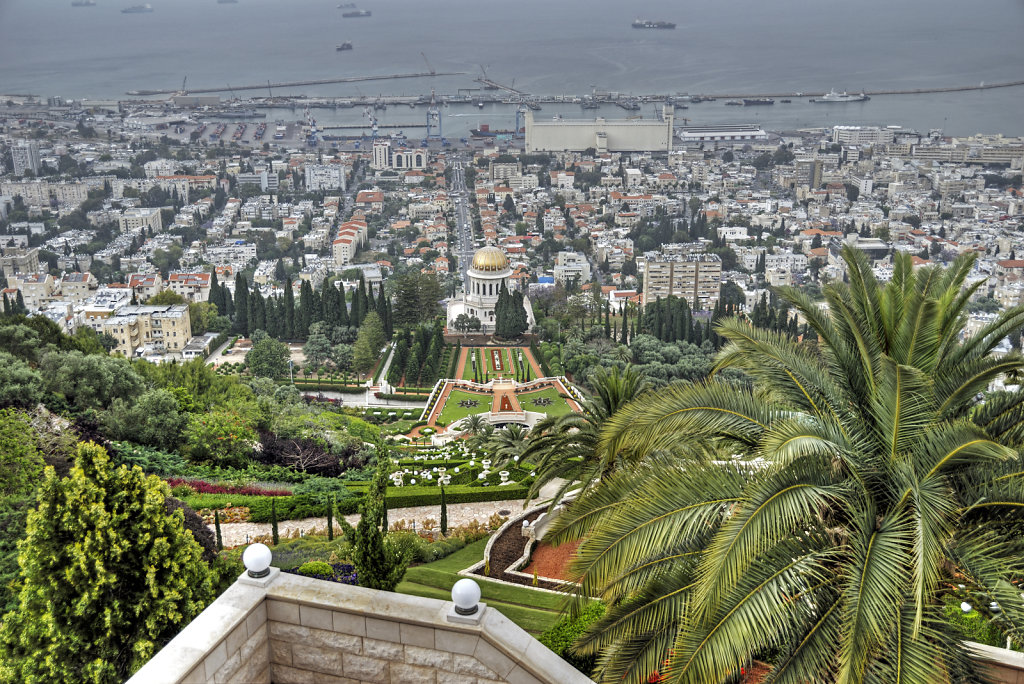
(289, 629)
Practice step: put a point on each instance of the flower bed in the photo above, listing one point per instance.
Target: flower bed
(203, 487)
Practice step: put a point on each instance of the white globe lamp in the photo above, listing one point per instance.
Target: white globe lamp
(256, 560)
(466, 596)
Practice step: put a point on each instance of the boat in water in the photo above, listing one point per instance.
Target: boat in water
(347, 45)
(354, 14)
(735, 103)
(138, 9)
(754, 101)
(834, 97)
(83, 3)
(485, 132)
(645, 24)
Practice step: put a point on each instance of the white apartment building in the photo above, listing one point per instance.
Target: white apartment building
(321, 177)
(139, 219)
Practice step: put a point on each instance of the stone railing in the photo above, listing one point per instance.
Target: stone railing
(287, 628)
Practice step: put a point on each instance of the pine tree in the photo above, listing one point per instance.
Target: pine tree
(95, 610)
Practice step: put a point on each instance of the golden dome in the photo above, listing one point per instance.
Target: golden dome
(489, 259)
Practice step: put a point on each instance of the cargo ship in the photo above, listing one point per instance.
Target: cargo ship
(834, 97)
(138, 9)
(485, 132)
(83, 3)
(357, 13)
(645, 24)
(347, 45)
(755, 101)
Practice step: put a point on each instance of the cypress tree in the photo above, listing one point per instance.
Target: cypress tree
(305, 316)
(216, 296)
(241, 305)
(273, 522)
(289, 310)
(625, 326)
(330, 519)
(216, 526)
(341, 307)
(444, 515)
(229, 304)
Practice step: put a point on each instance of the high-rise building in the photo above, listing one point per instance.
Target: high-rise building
(26, 157)
(695, 277)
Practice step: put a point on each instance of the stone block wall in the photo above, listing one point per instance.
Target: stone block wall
(228, 642)
(289, 629)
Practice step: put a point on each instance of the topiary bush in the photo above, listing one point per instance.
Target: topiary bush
(313, 568)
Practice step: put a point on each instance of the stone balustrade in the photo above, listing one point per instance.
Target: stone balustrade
(289, 629)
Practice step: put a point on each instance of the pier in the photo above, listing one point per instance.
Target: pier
(296, 84)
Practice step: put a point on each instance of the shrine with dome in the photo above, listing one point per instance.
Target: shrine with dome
(486, 274)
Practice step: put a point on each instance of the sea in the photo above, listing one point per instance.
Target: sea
(550, 47)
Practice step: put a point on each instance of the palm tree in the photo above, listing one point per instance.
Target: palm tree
(507, 443)
(565, 447)
(858, 483)
(473, 426)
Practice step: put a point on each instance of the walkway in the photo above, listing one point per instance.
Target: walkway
(237, 534)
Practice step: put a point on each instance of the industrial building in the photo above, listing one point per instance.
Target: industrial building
(576, 135)
(721, 133)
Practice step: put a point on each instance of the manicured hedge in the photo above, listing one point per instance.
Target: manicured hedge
(404, 497)
(327, 385)
(288, 507)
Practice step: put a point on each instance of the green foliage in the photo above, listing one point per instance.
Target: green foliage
(380, 561)
(974, 626)
(152, 420)
(371, 339)
(323, 489)
(273, 522)
(286, 507)
(268, 358)
(315, 568)
(20, 384)
(568, 630)
(152, 461)
(21, 463)
(444, 515)
(89, 382)
(859, 474)
(219, 437)
(99, 608)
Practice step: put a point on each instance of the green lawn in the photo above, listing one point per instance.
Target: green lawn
(452, 411)
(557, 407)
(534, 611)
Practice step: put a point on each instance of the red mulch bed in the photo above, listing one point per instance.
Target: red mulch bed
(507, 549)
(552, 561)
(756, 673)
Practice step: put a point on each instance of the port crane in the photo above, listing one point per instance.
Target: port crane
(433, 72)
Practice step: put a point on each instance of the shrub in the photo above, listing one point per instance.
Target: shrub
(312, 568)
(974, 626)
(195, 525)
(182, 490)
(322, 489)
(152, 461)
(566, 631)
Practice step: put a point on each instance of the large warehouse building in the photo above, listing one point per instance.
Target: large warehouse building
(576, 135)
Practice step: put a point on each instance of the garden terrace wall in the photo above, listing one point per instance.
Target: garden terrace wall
(288, 628)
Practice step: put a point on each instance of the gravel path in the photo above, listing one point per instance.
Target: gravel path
(238, 534)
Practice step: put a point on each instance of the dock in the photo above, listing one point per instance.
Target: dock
(297, 84)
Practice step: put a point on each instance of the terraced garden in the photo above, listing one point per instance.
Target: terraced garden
(535, 611)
